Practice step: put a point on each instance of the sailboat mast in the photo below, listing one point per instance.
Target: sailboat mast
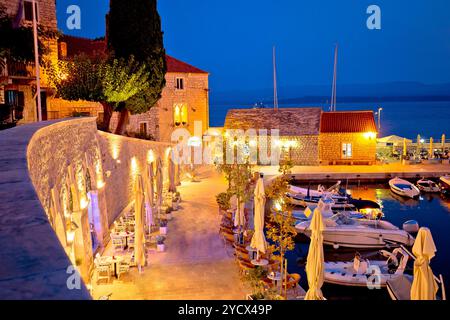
(275, 91)
(334, 89)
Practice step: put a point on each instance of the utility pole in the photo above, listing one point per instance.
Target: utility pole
(275, 90)
(36, 62)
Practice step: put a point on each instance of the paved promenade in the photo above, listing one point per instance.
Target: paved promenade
(196, 264)
(375, 172)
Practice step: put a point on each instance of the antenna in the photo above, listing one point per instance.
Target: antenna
(334, 89)
(275, 91)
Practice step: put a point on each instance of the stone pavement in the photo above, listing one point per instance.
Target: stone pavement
(196, 264)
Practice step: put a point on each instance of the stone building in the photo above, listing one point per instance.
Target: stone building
(308, 136)
(348, 138)
(18, 80)
(184, 101)
(298, 130)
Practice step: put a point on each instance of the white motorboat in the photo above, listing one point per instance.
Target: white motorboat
(444, 183)
(367, 273)
(404, 188)
(310, 198)
(341, 230)
(428, 186)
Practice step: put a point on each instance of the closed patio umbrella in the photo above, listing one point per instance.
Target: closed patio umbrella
(159, 183)
(172, 186)
(139, 234)
(405, 148)
(239, 216)
(315, 261)
(259, 240)
(424, 286)
(431, 152)
(149, 195)
(443, 142)
(419, 147)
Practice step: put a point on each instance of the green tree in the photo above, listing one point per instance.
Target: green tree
(281, 230)
(134, 29)
(110, 83)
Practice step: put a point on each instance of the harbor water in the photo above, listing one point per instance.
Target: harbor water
(430, 210)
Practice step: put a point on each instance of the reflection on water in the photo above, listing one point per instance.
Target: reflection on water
(431, 211)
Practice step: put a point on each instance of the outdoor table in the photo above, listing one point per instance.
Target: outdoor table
(252, 252)
(125, 235)
(260, 263)
(275, 277)
(114, 261)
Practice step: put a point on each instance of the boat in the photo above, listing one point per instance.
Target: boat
(444, 183)
(310, 198)
(342, 230)
(428, 186)
(404, 188)
(367, 273)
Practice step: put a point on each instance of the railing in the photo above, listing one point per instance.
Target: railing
(19, 69)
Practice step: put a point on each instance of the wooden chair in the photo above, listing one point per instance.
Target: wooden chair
(131, 243)
(118, 243)
(123, 267)
(245, 267)
(228, 238)
(103, 271)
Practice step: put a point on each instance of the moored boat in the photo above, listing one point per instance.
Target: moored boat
(404, 188)
(428, 186)
(342, 230)
(444, 183)
(367, 273)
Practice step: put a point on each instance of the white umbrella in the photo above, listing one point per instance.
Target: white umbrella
(315, 262)
(239, 216)
(172, 186)
(159, 182)
(139, 234)
(259, 240)
(149, 194)
(424, 286)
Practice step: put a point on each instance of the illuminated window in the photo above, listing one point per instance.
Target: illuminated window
(347, 150)
(180, 114)
(180, 84)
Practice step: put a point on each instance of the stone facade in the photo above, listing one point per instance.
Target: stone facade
(160, 119)
(331, 144)
(48, 166)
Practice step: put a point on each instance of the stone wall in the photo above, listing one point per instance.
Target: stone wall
(45, 163)
(306, 152)
(117, 154)
(330, 148)
(33, 261)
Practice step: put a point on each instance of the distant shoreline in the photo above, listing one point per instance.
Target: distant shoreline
(325, 100)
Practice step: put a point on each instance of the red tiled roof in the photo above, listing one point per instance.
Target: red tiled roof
(94, 48)
(175, 65)
(348, 122)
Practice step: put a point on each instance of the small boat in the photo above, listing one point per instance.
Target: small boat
(444, 183)
(367, 273)
(342, 230)
(428, 186)
(404, 188)
(310, 198)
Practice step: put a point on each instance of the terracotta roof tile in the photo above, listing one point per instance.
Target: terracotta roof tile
(290, 121)
(94, 48)
(348, 122)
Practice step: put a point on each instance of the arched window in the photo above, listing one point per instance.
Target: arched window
(177, 115)
(184, 115)
(180, 114)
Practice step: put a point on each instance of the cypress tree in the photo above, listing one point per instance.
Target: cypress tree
(134, 29)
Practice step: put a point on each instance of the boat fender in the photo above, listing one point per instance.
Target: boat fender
(336, 246)
(411, 226)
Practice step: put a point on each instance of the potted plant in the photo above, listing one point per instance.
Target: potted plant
(254, 279)
(168, 213)
(176, 199)
(160, 246)
(163, 227)
(223, 200)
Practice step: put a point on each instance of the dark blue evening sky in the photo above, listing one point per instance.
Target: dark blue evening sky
(233, 39)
